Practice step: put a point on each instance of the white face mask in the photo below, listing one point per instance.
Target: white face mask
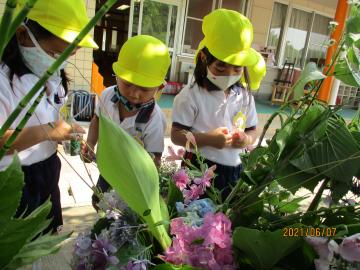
(223, 82)
(36, 59)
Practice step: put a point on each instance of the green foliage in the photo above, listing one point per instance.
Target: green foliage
(264, 248)
(138, 183)
(174, 195)
(347, 69)
(11, 185)
(17, 235)
(310, 73)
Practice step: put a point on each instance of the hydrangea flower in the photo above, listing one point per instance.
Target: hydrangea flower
(112, 205)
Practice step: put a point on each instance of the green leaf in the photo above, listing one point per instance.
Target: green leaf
(11, 184)
(174, 195)
(290, 207)
(128, 252)
(303, 162)
(18, 232)
(308, 121)
(353, 55)
(42, 246)
(293, 179)
(309, 73)
(345, 73)
(282, 137)
(339, 190)
(164, 213)
(129, 169)
(254, 157)
(250, 211)
(332, 155)
(353, 25)
(257, 245)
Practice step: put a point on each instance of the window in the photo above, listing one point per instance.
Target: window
(196, 11)
(305, 35)
(277, 26)
(296, 35)
(319, 35)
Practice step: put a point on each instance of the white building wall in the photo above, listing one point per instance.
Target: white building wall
(261, 12)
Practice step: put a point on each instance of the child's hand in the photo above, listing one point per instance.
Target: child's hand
(220, 138)
(239, 139)
(62, 131)
(87, 153)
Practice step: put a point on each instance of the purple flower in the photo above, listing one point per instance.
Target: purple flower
(349, 249)
(181, 179)
(208, 246)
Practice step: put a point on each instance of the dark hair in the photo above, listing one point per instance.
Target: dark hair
(12, 56)
(200, 71)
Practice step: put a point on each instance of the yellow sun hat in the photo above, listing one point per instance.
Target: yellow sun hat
(63, 18)
(256, 72)
(143, 60)
(228, 36)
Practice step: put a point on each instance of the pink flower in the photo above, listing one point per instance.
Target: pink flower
(199, 247)
(193, 193)
(205, 181)
(218, 230)
(181, 179)
(349, 249)
(325, 249)
(175, 156)
(190, 139)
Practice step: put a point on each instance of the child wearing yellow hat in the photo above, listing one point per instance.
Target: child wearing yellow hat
(48, 29)
(217, 108)
(140, 72)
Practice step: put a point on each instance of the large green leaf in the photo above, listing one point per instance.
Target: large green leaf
(17, 232)
(42, 246)
(293, 178)
(309, 73)
(11, 183)
(353, 25)
(337, 155)
(129, 169)
(174, 195)
(346, 73)
(264, 248)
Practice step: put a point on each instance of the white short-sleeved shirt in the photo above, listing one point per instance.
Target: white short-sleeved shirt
(152, 134)
(202, 111)
(47, 111)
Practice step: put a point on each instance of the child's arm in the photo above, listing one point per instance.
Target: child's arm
(87, 150)
(29, 136)
(218, 138)
(157, 159)
(244, 139)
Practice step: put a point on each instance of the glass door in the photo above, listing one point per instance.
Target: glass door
(158, 18)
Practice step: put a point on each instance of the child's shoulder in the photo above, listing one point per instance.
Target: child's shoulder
(108, 93)
(190, 91)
